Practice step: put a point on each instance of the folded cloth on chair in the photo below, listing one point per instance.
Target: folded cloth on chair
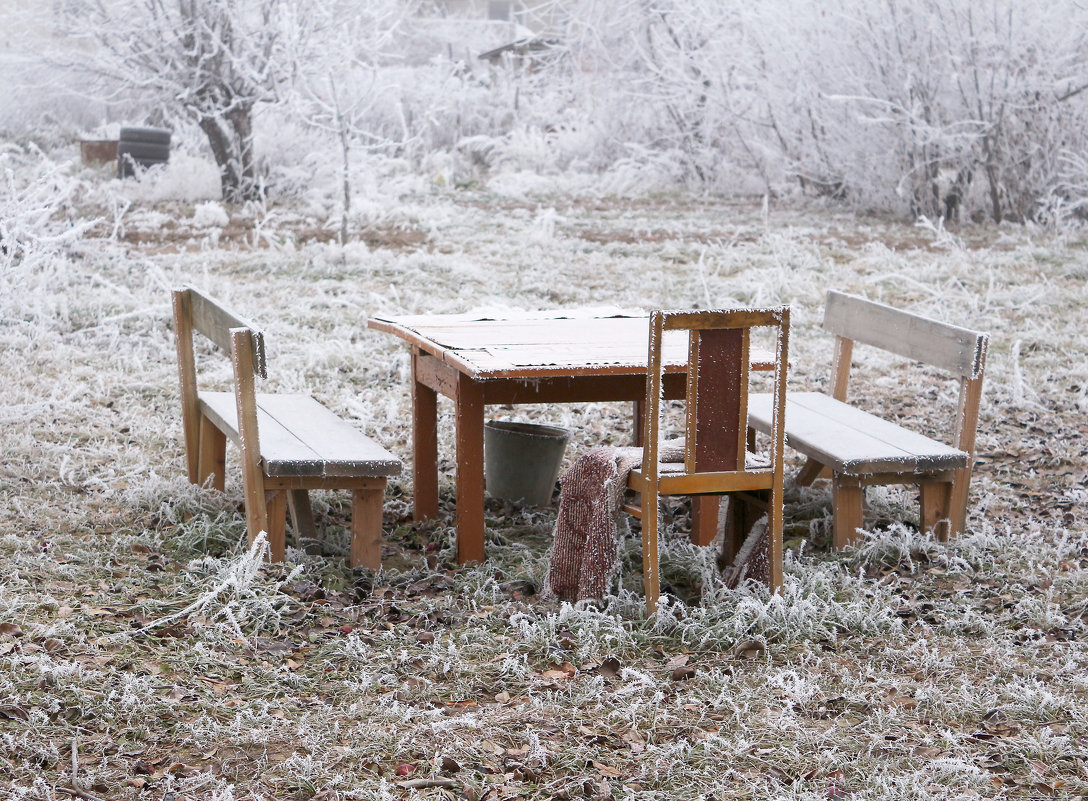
(590, 523)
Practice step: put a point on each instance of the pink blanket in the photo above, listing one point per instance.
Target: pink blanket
(590, 521)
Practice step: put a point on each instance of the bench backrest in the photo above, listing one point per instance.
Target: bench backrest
(197, 312)
(960, 351)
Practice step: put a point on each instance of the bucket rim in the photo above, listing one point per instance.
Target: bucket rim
(537, 430)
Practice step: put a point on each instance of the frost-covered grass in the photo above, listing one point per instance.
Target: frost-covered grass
(138, 634)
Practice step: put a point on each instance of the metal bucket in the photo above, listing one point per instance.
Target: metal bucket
(522, 460)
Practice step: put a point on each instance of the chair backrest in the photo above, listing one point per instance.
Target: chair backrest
(716, 408)
(959, 351)
(196, 312)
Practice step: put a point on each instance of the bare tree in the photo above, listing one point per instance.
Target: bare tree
(211, 61)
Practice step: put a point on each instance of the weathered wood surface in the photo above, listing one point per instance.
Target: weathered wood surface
(852, 441)
(215, 321)
(300, 437)
(542, 346)
(717, 395)
(960, 351)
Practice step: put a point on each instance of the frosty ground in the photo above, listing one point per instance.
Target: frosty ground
(145, 654)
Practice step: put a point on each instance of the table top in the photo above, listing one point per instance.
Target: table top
(540, 344)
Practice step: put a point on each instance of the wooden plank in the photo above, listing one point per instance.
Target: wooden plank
(704, 519)
(847, 503)
(300, 437)
(212, 454)
(190, 418)
(558, 347)
(717, 397)
(276, 503)
(220, 409)
(283, 453)
(342, 448)
(469, 423)
(366, 529)
(851, 441)
(580, 389)
(215, 321)
(257, 511)
(935, 498)
(958, 350)
(725, 481)
(323, 482)
(424, 442)
(722, 318)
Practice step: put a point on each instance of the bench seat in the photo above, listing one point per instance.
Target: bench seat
(853, 442)
(300, 437)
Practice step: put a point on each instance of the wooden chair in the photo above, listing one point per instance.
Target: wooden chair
(716, 457)
(857, 449)
(290, 444)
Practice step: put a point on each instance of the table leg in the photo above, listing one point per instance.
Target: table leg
(638, 415)
(704, 518)
(424, 446)
(470, 470)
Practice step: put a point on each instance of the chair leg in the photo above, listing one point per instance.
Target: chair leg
(936, 497)
(846, 501)
(651, 580)
(366, 527)
(211, 455)
(774, 538)
(276, 503)
(302, 519)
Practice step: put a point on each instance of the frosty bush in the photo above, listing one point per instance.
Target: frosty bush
(928, 108)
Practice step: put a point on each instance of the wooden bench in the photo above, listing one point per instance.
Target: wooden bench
(290, 444)
(858, 449)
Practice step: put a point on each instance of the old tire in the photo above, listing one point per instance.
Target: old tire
(151, 136)
(143, 151)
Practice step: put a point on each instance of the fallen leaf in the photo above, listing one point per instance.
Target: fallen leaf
(12, 712)
(610, 667)
(12, 629)
(405, 770)
(751, 649)
(608, 770)
(683, 673)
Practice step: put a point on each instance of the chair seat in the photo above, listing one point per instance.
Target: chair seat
(851, 441)
(300, 437)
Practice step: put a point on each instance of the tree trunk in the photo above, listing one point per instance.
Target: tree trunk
(222, 148)
(241, 121)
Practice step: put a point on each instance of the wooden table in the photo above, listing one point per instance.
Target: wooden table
(535, 357)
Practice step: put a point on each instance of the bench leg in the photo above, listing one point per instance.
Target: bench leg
(957, 505)
(936, 497)
(847, 500)
(302, 519)
(366, 528)
(276, 503)
(211, 455)
(809, 472)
